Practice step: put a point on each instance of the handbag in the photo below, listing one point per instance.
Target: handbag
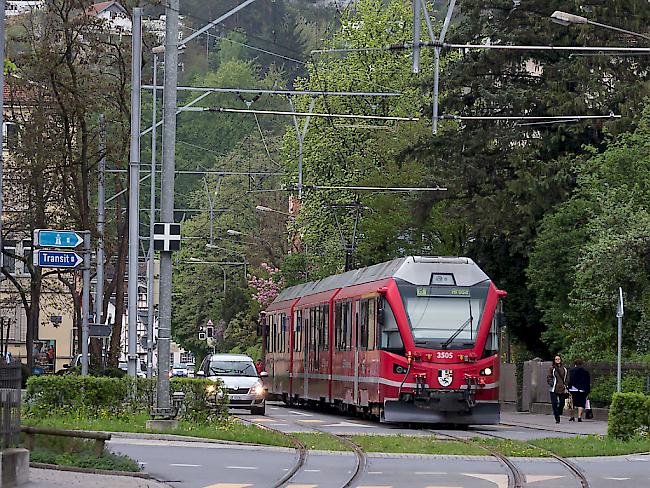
(589, 413)
(568, 403)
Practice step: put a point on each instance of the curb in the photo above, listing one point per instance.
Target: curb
(108, 472)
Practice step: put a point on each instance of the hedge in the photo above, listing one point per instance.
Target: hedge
(629, 415)
(94, 396)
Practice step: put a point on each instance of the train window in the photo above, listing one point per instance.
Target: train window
(390, 336)
(269, 318)
(492, 341)
(325, 329)
(362, 321)
(343, 323)
(372, 324)
(297, 331)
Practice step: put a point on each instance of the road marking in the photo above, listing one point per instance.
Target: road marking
(241, 467)
(186, 465)
(262, 420)
(311, 470)
(430, 472)
(375, 486)
(375, 472)
(300, 413)
(302, 486)
(229, 485)
(439, 486)
(534, 478)
(617, 479)
(501, 480)
(280, 425)
(349, 424)
(310, 420)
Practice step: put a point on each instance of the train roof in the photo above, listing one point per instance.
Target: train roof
(416, 270)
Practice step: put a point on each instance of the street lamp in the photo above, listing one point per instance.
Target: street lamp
(262, 208)
(565, 18)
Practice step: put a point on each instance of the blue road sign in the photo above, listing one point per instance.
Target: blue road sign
(57, 259)
(57, 238)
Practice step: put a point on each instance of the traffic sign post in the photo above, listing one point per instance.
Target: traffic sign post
(68, 260)
(57, 238)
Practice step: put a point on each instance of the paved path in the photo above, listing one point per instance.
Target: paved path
(50, 478)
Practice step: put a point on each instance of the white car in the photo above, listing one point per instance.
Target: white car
(240, 377)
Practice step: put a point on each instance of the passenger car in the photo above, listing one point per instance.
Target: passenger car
(239, 376)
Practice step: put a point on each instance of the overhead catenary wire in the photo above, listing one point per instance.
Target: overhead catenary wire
(298, 114)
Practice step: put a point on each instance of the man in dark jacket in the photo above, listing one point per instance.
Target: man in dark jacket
(557, 379)
(579, 387)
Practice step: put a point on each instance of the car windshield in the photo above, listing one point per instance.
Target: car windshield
(232, 368)
(444, 317)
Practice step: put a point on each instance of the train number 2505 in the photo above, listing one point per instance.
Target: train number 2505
(445, 355)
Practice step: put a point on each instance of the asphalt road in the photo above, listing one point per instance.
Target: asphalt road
(214, 465)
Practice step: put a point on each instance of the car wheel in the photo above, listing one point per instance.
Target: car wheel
(259, 410)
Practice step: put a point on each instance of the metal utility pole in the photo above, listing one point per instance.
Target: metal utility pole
(163, 404)
(101, 197)
(134, 192)
(85, 304)
(619, 317)
(152, 220)
(2, 85)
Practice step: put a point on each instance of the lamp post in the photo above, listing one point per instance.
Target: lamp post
(565, 18)
(262, 208)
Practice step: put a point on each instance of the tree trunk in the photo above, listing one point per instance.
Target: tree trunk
(120, 272)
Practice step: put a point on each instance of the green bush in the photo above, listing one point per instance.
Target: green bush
(604, 387)
(94, 397)
(628, 415)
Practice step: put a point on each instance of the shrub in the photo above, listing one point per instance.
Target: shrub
(604, 387)
(92, 396)
(628, 415)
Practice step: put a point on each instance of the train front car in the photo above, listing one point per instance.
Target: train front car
(448, 370)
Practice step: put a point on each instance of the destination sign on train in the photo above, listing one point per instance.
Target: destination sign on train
(434, 291)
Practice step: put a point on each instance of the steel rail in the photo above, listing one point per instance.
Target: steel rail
(569, 465)
(300, 447)
(516, 478)
(360, 454)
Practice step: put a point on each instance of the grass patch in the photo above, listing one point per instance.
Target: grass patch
(321, 442)
(511, 448)
(67, 451)
(414, 445)
(592, 446)
(228, 430)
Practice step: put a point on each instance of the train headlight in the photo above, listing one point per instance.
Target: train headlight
(257, 389)
(486, 371)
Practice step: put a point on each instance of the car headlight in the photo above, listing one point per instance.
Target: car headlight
(257, 389)
(210, 389)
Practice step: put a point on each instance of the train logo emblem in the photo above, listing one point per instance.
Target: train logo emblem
(445, 377)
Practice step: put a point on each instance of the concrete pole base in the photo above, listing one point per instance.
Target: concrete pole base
(14, 467)
(161, 424)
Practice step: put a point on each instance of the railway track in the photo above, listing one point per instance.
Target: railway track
(516, 478)
(569, 465)
(360, 464)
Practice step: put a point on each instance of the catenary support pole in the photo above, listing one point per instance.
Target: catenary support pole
(152, 220)
(619, 343)
(134, 192)
(2, 84)
(85, 304)
(101, 218)
(163, 406)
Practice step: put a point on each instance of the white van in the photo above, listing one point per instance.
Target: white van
(240, 377)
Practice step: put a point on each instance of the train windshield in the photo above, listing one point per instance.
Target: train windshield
(444, 317)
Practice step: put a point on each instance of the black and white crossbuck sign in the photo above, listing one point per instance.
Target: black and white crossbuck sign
(167, 237)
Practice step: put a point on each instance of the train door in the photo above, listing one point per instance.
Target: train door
(355, 345)
(307, 323)
(313, 360)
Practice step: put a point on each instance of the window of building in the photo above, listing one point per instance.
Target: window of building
(9, 262)
(27, 254)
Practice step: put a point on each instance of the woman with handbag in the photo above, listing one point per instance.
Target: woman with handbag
(557, 379)
(579, 387)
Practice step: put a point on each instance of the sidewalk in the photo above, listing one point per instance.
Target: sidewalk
(51, 478)
(547, 422)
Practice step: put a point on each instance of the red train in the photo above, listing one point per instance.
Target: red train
(415, 339)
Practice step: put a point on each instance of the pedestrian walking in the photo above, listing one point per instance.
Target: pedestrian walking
(579, 388)
(557, 379)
